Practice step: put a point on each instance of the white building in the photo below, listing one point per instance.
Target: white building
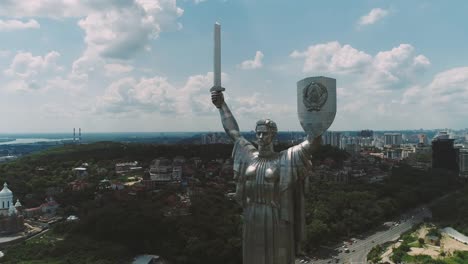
(332, 138)
(7, 207)
(161, 170)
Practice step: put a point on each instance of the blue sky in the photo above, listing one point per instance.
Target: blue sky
(146, 65)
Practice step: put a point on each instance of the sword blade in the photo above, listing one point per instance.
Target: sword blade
(217, 55)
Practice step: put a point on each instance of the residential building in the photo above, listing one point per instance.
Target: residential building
(124, 167)
(393, 139)
(332, 138)
(161, 170)
(463, 163)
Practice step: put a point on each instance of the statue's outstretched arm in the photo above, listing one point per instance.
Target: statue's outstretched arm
(228, 120)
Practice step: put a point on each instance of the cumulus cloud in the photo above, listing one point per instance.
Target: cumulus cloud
(389, 85)
(28, 72)
(121, 31)
(113, 29)
(253, 64)
(387, 69)
(45, 8)
(449, 88)
(332, 57)
(12, 25)
(157, 94)
(374, 15)
(146, 94)
(26, 65)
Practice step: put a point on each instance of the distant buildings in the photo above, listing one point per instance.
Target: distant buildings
(214, 138)
(332, 138)
(393, 139)
(49, 208)
(423, 139)
(394, 154)
(463, 163)
(124, 167)
(367, 133)
(161, 170)
(7, 158)
(11, 218)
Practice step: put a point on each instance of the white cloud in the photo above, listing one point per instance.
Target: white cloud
(28, 72)
(387, 69)
(374, 15)
(12, 25)
(113, 29)
(332, 57)
(129, 96)
(25, 65)
(45, 8)
(146, 94)
(116, 68)
(157, 94)
(121, 31)
(256, 63)
(449, 88)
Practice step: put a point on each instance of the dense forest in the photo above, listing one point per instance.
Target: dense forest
(121, 229)
(452, 211)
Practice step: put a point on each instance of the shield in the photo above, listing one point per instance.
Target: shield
(316, 104)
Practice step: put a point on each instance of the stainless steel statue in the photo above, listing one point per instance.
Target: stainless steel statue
(271, 185)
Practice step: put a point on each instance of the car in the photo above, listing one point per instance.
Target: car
(346, 250)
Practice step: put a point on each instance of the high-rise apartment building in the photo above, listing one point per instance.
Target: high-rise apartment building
(332, 138)
(463, 163)
(394, 139)
(444, 154)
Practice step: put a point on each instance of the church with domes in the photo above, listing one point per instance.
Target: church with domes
(11, 218)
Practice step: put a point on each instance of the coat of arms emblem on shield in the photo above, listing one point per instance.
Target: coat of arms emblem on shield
(315, 95)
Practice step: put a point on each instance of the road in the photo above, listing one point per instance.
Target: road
(358, 251)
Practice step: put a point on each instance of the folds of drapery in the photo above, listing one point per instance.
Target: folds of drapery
(294, 167)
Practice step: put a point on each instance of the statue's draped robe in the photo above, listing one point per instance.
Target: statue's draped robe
(271, 191)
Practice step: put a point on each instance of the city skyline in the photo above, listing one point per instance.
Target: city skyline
(147, 65)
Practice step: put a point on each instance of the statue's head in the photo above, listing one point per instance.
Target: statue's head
(265, 131)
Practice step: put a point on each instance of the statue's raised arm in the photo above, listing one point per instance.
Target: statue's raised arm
(227, 119)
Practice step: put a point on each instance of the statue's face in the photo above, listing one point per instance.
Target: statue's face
(264, 135)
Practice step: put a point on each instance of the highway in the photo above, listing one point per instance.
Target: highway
(358, 250)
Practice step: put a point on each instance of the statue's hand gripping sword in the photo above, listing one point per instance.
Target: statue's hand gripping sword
(217, 60)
